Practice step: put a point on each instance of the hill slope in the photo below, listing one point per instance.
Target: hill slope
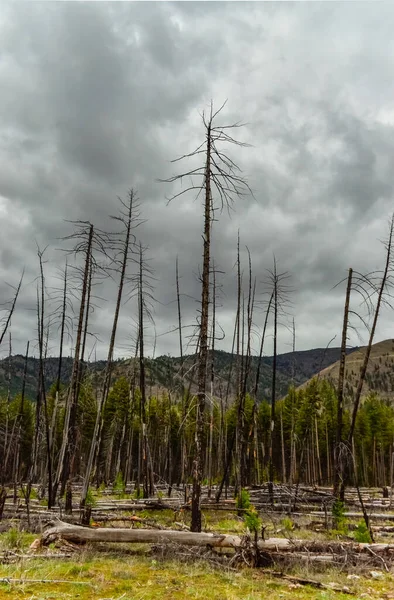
(163, 372)
(380, 372)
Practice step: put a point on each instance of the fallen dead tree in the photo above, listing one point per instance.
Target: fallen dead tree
(79, 534)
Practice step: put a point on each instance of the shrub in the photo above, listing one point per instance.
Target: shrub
(249, 512)
(138, 494)
(119, 487)
(242, 500)
(361, 533)
(90, 499)
(13, 538)
(287, 524)
(338, 515)
(252, 520)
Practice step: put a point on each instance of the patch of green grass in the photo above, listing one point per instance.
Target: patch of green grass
(119, 487)
(120, 571)
(287, 524)
(164, 517)
(141, 578)
(231, 524)
(14, 539)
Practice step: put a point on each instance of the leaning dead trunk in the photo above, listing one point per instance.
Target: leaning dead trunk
(364, 366)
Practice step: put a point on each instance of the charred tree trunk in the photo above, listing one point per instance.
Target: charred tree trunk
(203, 355)
(41, 386)
(95, 444)
(364, 366)
(20, 421)
(338, 463)
(273, 389)
(69, 432)
(221, 173)
(212, 379)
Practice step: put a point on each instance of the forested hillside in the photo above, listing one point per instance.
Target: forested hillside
(380, 372)
(163, 372)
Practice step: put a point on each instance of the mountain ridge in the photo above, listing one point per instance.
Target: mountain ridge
(163, 372)
(380, 372)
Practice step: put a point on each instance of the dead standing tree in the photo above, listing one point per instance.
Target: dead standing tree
(364, 286)
(217, 175)
(143, 289)
(89, 242)
(380, 289)
(279, 291)
(341, 379)
(41, 393)
(128, 217)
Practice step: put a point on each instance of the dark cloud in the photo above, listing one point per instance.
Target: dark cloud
(99, 97)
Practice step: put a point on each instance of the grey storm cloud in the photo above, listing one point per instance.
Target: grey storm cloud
(100, 97)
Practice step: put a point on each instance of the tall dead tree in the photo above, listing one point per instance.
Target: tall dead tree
(385, 283)
(280, 298)
(292, 423)
(366, 287)
(144, 297)
(62, 302)
(212, 380)
(228, 448)
(181, 374)
(19, 423)
(7, 440)
(341, 378)
(62, 330)
(238, 371)
(41, 397)
(144, 455)
(128, 217)
(244, 446)
(69, 432)
(217, 174)
(89, 241)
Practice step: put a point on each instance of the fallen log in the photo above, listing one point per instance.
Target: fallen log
(79, 534)
(348, 515)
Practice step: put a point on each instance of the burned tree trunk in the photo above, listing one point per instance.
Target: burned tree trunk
(338, 466)
(69, 430)
(218, 173)
(126, 219)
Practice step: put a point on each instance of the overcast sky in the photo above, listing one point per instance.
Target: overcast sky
(97, 98)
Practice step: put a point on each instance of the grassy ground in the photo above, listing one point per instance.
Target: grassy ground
(139, 577)
(115, 572)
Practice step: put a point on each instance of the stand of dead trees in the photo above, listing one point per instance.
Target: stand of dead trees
(143, 421)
